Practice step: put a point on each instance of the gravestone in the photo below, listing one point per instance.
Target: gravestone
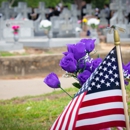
(118, 7)
(6, 11)
(88, 10)
(25, 31)
(119, 20)
(22, 10)
(4, 46)
(74, 16)
(66, 27)
(41, 11)
(103, 20)
(74, 10)
(56, 21)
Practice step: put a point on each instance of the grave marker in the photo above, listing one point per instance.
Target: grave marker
(22, 10)
(88, 9)
(6, 10)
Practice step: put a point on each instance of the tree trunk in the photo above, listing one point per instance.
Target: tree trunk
(11, 2)
(78, 3)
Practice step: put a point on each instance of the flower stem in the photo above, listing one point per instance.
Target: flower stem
(66, 92)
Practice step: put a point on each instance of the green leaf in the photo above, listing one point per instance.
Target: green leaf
(98, 56)
(77, 85)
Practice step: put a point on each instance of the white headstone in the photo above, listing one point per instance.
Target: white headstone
(22, 10)
(25, 31)
(6, 10)
(88, 10)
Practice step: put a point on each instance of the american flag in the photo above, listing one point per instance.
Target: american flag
(98, 104)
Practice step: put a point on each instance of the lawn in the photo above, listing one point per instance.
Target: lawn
(35, 113)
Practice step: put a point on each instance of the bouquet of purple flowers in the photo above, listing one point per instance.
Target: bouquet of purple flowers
(78, 64)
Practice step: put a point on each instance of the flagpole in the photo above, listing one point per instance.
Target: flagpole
(117, 44)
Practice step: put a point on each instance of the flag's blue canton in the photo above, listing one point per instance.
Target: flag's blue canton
(105, 77)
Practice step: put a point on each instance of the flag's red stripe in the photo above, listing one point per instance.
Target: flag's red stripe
(102, 125)
(68, 122)
(56, 122)
(74, 124)
(65, 115)
(101, 101)
(100, 113)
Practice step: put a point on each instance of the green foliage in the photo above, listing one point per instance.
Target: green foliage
(6, 54)
(77, 85)
(33, 113)
(53, 3)
(100, 3)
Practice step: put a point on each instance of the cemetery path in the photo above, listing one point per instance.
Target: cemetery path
(28, 87)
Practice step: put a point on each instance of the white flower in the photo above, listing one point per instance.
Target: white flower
(93, 21)
(45, 24)
(77, 29)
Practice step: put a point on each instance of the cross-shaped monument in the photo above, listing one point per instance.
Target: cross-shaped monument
(41, 10)
(23, 9)
(5, 10)
(88, 9)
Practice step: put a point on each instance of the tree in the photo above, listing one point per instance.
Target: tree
(31, 3)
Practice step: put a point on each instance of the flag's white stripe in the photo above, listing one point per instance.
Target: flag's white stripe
(103, 119)
(102, 94)
(74, 112)
(61, 117)
(99, 107)
(68, 114)
(52, 128)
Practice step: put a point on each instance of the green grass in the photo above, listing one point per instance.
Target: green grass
(4, 54)
(35, 112)
(7, 54)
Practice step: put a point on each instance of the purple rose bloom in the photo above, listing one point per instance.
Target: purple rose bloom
(126, 82)
(52, 80)
(84, 65)
(78, 50)
(65, 53)
(81, 64)
(68, 63)
(127, 67)
(95, 63)
(88, 66)
(89, 44)
(82, 77)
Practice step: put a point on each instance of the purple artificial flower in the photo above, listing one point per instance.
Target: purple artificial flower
(89, 44)
(95, 63)
(65, 53)
(78, 50)
(124, 67)
(82, 64)
(88, 66)
(68, 63)
(52, 80)
(82, 77)
(126, 82)
(127, 67)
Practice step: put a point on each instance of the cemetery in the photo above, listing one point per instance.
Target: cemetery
(35, 41)
(63, 29)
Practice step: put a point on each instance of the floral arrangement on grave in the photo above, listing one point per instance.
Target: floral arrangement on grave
(15, 29)
(15, 32)
(93, 23)
(84, 21)
(84, 24)
(46, 26)
(78, 63)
